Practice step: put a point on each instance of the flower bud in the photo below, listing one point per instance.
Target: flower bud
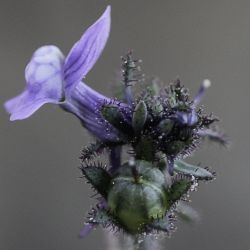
(138, 196)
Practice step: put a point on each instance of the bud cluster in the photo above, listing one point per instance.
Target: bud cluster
(161, 126)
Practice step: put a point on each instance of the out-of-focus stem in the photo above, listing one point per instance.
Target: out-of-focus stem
(112, 241)
(148, 243)
(125, 242)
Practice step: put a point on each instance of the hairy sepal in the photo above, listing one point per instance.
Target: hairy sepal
(98, 177)
(115, 116)
(180, 187)
(165, 224)
(192, 170)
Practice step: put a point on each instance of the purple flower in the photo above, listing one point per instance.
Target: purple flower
(52, 78)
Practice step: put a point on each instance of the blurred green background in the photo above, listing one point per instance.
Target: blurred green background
(42, 200)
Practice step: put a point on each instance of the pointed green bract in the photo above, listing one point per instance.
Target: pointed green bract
(92, 150)
(153, 89)
(178, 189)
(99, 178)
(156, 108)
(197, 172)
(139, 116)
(161, 225)
(115, 117)
(101, 216)
(112, 114)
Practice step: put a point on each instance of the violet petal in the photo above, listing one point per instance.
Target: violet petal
(85, 103)
(186, 118)
(214, 136)
(44, 83)
(87, 50)
(86, 230)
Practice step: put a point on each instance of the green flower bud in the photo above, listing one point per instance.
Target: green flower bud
(166, 126)
(138, 195)
(112, 114)
(115, 116)
(139, 117)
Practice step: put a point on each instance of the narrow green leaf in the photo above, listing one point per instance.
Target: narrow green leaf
(139, 116)
(197, 172)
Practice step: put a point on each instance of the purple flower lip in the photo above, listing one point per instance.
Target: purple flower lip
(44, 83)
(52, 78)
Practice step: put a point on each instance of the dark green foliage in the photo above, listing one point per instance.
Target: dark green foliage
(98, 177)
